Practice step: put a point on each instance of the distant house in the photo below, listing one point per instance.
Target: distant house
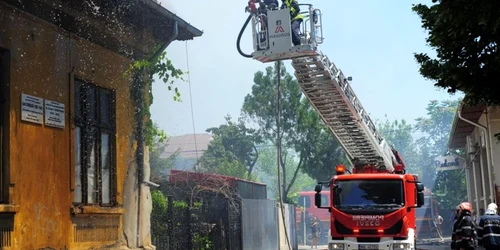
(190, 148)
(72, 167)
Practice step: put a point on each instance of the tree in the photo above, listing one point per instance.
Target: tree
(464, 34)
(301, 131)
(399, 134)
(158, 164)
(448, 185)
(219, 160)
(268, 173)
(234, 138)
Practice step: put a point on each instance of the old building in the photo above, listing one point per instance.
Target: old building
(73, 169)
(473, 132)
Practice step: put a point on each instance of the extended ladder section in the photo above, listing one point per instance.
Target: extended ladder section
(330, 94)
(323, 84)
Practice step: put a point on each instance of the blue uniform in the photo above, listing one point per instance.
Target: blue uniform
(464, 233)
(488, 231)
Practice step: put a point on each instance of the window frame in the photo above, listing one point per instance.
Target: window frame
(4, 124)
(336, 200)
(97, 127)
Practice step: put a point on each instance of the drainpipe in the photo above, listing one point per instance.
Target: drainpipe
(488, 147)
(140, 139)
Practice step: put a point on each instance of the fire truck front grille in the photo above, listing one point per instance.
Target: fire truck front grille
(395, 229)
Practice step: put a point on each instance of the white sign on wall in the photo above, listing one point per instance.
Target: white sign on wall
(31, 109)
(451, 162)
(54, 114)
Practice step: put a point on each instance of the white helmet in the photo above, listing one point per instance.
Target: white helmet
(492, 206)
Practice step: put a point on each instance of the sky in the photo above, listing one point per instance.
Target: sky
(372, 41)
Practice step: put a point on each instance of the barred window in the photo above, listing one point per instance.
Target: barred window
(94, 137)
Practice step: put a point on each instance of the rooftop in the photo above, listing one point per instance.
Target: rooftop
(460, 129)
(132, 28)
(187, 146)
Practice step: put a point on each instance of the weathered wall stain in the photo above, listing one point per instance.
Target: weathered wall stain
(43, 222)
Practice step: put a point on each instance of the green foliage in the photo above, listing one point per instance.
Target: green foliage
(464, 34)
(437, 125)
(218, 159)
(268, 172)
(180, 204)
(168, 73)
(301, 129)
(399, 135)
(233, 150)
(159, 213)
(450, 186)
(202, 242)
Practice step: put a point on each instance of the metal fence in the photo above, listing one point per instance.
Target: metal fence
(289, 211)
(259, 224)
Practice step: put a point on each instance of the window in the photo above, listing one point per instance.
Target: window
(304, 201)
(95, 168)
(366, 194)
(4, 131)
(324, 200)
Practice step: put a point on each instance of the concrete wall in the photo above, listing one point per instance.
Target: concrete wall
(43, 61)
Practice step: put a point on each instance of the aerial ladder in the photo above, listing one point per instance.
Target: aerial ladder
(325, 85)
(374, 207)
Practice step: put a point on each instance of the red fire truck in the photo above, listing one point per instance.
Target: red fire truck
(306, 210)
(372, 207)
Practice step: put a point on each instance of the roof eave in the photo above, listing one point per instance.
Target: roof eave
(193, 31)
(453, 129)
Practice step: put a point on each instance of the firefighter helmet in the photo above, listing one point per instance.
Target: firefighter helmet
(465, 206)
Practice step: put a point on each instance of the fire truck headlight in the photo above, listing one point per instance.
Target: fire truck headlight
(335, 246)
(401, 246)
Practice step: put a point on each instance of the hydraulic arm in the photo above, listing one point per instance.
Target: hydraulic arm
(326, 87)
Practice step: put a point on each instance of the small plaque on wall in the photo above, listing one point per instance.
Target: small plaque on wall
(31, 109)
(54, 114)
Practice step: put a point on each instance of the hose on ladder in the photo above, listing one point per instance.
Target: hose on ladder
(239, 37)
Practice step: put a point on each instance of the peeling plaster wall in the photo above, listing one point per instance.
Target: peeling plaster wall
(43, 61)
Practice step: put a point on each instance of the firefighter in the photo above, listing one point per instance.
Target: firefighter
(296, 18)
(454, 229)
(488, 231)
(464, 233)
(271, 4)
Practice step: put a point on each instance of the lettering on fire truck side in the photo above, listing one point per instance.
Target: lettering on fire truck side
(367, 220)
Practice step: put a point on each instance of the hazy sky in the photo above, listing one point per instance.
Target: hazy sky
(372, 41)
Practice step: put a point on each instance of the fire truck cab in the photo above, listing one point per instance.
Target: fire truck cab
(372, 210)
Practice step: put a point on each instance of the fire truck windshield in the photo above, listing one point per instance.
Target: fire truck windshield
(366, 194)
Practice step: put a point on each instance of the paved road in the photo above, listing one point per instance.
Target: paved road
(420, 247)
(429, 244)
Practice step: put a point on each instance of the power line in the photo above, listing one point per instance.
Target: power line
(278, 154)
(191, 101)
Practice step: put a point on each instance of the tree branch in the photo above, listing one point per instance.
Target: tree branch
(252, 164)
(294, 175)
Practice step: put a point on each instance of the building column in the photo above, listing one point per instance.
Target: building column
(474, 177)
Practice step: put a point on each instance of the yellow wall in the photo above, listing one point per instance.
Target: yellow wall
(41, 157)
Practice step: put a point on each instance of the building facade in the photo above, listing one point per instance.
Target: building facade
(473, 132)
(73, 169)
